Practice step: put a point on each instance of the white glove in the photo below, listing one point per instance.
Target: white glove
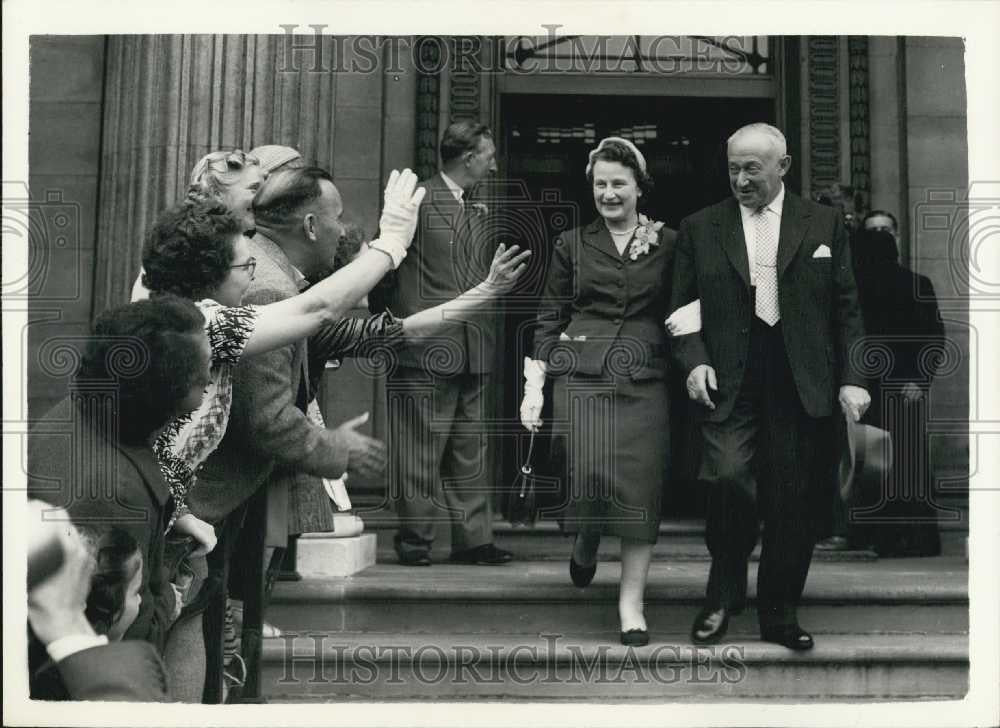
(531, 405)
(685, 320)
(399, 215)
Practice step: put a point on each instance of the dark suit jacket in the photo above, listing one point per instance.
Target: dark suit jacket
(103, 483)
(903, 327)
(269, 437)
(900, 312)
(451, 252)
(820, 316)
(616, 303)
(129, 671)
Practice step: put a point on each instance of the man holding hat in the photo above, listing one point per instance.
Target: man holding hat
(780, 326)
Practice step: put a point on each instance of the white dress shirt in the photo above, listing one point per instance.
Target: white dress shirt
(749, 227)
(455, 189)
(60, 649)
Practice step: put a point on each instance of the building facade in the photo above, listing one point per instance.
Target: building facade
(117, 122)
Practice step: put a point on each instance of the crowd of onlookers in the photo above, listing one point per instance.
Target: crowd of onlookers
(141, 478)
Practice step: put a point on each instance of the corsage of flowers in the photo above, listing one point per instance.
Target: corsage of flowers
(480, 209)
(646, 235)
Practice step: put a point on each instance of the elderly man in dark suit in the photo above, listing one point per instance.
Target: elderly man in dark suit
(780, 318)
(439, 391)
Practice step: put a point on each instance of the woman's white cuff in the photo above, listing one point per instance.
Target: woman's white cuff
(391, 248)
(534, 373)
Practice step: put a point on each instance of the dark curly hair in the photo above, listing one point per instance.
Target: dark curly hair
(189, 250)
(114, 551)
(618, 152)
(149, 350)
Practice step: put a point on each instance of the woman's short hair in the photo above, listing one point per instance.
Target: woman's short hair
(189, 250)
(216, 171)
(114, 553)
(149, 350)
(613, 151)
(462, 137)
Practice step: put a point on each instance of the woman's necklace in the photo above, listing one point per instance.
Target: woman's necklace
(621, 238)
(623, 233)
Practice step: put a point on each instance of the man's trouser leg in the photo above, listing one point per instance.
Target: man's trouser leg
(421, 412)
(465, 477)
(794, 484)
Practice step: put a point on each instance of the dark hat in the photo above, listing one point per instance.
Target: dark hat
(865, 457)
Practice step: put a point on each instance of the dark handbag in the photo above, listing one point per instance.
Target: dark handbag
(522, 508)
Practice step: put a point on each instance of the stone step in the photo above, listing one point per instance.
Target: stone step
(514, 666)
(550, 546)
(900, 595)
(680, 539)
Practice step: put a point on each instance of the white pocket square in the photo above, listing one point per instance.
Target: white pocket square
(822, 251)
(563, 337)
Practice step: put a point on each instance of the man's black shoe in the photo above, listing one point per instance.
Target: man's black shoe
(791, 636)
(710, 625)
(415, 559)
(485, 555)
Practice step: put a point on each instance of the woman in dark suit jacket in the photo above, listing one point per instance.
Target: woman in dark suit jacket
(600, 333)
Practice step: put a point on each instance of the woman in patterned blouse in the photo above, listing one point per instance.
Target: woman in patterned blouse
(198, 250)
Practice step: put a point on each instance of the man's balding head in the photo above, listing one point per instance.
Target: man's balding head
(758, 159)
(300, 210)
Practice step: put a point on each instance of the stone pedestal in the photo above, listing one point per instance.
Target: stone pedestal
(321, 555)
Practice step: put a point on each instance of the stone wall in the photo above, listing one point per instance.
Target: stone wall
(64, 156)
(937, 184)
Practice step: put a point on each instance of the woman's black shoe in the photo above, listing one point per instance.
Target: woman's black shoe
(635, 638)
(581, 575)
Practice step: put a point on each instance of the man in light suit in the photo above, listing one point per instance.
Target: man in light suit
(780, 327)
(439, 390)
(269, 439)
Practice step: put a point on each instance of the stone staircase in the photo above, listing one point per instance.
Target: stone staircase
(885, 629)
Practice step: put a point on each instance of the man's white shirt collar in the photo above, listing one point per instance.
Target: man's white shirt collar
(300, 280)
(455, 189)
(776, 205)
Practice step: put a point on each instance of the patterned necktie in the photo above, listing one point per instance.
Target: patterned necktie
(765, 262)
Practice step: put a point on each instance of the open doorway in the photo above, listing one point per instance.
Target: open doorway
(544, 142)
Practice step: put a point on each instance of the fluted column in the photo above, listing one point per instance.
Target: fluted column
(170, 99)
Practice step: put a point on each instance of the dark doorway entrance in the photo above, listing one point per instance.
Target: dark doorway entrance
(544, 143)
(546, 140)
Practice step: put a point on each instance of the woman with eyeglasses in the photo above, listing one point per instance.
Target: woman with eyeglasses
(233, 179)
(198, 250)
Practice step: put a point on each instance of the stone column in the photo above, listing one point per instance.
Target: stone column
(170, 99)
